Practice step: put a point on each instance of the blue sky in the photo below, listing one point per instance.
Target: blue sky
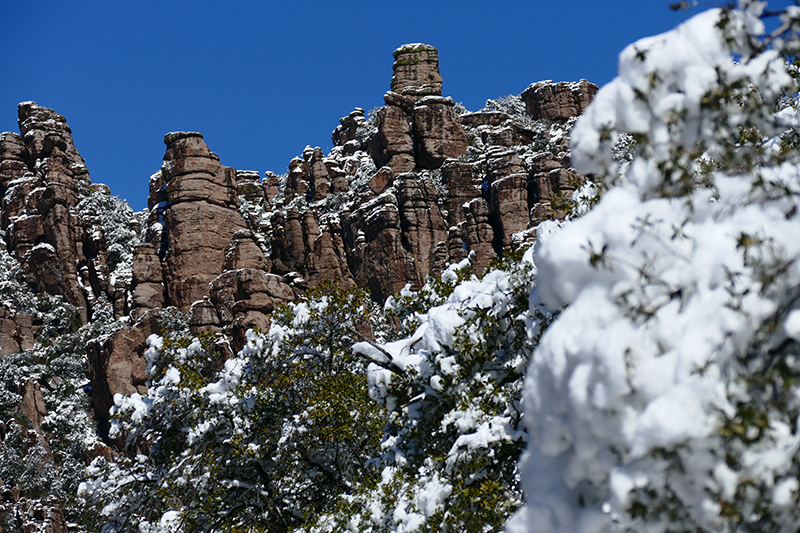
(261, 80)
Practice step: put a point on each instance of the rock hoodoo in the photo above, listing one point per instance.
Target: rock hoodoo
(416, 71)
(199, 220)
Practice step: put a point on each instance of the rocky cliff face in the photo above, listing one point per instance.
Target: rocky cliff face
(418, 184)
(42, 179)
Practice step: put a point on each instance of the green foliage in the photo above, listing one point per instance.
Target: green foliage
(259, 441)
(454, 431)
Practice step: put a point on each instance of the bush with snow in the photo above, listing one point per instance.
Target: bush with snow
(452, 385)
(664, 397)
(262, 439)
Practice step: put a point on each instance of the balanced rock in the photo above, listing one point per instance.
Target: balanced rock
(244, 252)
(348, 126)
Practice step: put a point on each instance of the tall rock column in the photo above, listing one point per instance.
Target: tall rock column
(416, 71)
(422, 223)
(200, 217)
(417, 127)
(12, 158)
(43, 179)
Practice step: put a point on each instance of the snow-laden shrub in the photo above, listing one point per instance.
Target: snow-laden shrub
(121, 227)
(452, 387)
(664, 397)
(370, 127)
(58, 363)
(258, 441)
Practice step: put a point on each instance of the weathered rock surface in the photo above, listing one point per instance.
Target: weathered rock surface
(32, 515)
(240, 299)
(117, 365)
(32, 404)
(327, 258)
(199, 220)
(43, 177)
(244, 252)
(148, 281)
(348, 126)
(463, 181)
(226, 247)
(477, 234)
(509, 204)
(416, 71)
(393, 146)
(17, 331)
(438, 135)
(558, 101)
(422, 224)
(12, 158)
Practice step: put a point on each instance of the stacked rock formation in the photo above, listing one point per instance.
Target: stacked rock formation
(394, 232)
(42, 179)
(200, 218)
(200, 259)
(417, 127)
(416, 71)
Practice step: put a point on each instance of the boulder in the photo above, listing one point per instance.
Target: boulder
(117, 365)
(318, 179)
(327, 258)
(381, 181)
(244, 252)
(271, 187)
(248, 185)
(146, 265)
(509, 205)
(477, 234)
(393, 145)
(463, 181)
(348, 126)
(242, 299)
(45, 134)
(32, 404)
(203, 316)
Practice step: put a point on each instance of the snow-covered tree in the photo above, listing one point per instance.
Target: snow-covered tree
(664, 397)
(257, 441)
(121, 226)
(451, 385)
(50, 465)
